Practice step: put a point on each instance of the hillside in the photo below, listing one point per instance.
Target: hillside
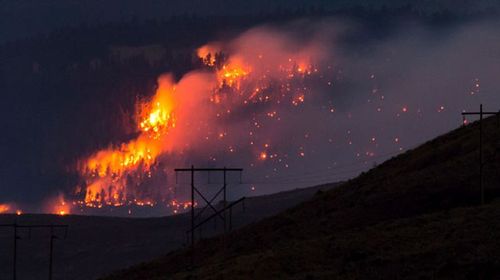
(414, 216)
(99, 245)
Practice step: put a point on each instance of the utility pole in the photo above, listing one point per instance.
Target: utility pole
(481, 113)
(16, 237)
(15, 226)
(192, 205)
(195, 191)
(52, 237)
(225, 201)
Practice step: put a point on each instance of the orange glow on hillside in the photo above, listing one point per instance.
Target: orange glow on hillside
(207, 54)
(59, 206)
(108, 169)
(232, 74)
(183, 116)
(4, 208)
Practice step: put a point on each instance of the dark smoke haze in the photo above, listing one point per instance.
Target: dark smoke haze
(374, 97)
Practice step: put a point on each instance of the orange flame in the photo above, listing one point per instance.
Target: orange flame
(59, 206)
(166, 121)
(232, 74)
(4, 208)
(107, 168)
(207, 54)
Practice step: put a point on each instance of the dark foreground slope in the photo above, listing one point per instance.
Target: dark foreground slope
(99, 245)
(415, 216)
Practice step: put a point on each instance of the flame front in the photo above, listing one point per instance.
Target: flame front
(109, 171)
(183, 114)
(208, 54)
(232, 74)
(5, 208)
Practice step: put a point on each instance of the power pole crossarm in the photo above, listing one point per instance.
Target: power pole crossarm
(477, 113)
(195, 191)
(16, 228)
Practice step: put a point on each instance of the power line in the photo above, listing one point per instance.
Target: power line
(318, 173)
(353, 163)
(15, 226)
(217, 213)
(481, 113)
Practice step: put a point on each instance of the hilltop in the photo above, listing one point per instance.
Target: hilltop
(414, 216)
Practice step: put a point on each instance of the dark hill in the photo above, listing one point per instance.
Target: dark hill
(415, 216)
(100, 245)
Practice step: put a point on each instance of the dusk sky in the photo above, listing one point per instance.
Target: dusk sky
(295, 103)
(249, 139)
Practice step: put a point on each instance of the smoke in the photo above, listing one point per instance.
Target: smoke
(422, 79)
(299, 104)
(219, 112)
(371, 98)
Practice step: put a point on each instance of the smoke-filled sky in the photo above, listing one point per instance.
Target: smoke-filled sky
(297, 104)
(367, 102)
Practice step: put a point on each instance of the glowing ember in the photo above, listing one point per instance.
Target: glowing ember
(263, 155)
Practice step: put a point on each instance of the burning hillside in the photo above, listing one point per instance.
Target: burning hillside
(192, 113)
(294, 106)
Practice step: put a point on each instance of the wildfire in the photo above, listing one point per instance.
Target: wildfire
(59, 206)
(109, 171)
(180, 206)
(156, 119)
(4, 208)
(179, 114)
(207, 54)
(232, 74)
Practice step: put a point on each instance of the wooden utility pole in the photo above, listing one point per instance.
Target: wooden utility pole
(15, 226)
(14, 263)
(481, 113)
(196, 191)
(16, 237)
